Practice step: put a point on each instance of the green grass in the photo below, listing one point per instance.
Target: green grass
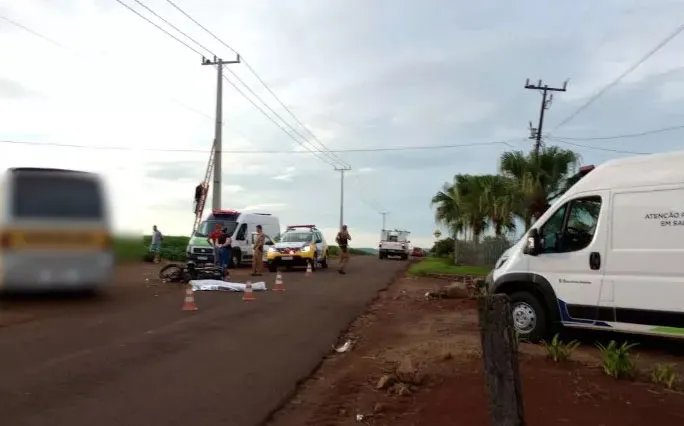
(444, 266)
(334, 251)
(129, 249)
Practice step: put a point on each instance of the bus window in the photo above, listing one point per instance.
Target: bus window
(56, 196)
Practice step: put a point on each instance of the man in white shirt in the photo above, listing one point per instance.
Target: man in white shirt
(155, 245)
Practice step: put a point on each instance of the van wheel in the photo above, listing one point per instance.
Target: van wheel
(529, 317)
(272, 267)
(235, 261)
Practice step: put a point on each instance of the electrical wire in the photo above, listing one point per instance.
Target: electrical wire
(596, 148)
(251, 69)
(321, 154)
(619, 78)
(173, 100)
(623, 136)
(332, 160)
(124, 148)
(159, 27)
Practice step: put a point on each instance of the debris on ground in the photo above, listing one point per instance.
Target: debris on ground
(346, 347)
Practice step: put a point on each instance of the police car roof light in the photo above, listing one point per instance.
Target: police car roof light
(301, 226)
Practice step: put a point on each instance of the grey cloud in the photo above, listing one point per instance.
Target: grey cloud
(11, 89)
(436, 73)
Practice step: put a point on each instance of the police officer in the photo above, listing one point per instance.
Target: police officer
(343, 239)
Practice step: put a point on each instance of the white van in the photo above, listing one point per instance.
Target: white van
(608, 254)
(241, 226)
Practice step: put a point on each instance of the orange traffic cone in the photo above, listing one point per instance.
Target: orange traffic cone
(279, 285)
(249, 294)
(309, 271)
(189, 303)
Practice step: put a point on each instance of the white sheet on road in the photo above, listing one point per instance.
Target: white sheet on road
(218, 285)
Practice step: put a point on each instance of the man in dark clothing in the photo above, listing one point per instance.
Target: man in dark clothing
(343, 239)
(199, 191)
(224, 243)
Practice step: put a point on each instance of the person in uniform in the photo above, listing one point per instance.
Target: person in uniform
(258, 258)
(343, 239)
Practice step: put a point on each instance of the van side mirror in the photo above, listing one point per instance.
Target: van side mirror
(533, 243)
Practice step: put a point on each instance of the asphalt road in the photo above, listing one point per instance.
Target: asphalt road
(134, 358)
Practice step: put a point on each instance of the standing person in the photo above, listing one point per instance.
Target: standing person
(213, 241)
(258, 258)
(155, 245)
(343, 239)
(225, 248)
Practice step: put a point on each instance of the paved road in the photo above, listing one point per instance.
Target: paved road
(133, 358)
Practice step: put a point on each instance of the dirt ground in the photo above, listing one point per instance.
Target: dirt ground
(441, 339)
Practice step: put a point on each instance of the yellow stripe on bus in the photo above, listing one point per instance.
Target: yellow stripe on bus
(56, 239)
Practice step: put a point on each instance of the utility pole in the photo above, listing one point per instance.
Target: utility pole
(218, 147)
(536, 134)
(383, 219)
(342, 170)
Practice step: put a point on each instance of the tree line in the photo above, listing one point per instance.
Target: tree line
(523, 189)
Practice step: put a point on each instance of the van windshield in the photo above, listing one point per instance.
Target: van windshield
(45, 195)
(208, 226)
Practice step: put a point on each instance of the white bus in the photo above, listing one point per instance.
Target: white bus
(55, 231)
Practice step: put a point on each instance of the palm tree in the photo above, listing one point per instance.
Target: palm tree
(448, 211)
(537, 177)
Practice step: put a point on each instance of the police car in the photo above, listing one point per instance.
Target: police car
(299, 245)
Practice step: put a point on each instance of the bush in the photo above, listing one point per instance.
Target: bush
(559, 351)
(664, 375)
(616, 360)
(443, 248)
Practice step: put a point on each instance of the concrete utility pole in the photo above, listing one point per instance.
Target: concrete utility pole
(218, 146)
(545, 104)
(342, 170)
(383, 219)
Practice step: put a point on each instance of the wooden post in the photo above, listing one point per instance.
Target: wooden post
(500, 355)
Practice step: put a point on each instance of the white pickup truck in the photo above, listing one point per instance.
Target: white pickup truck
(394, 243)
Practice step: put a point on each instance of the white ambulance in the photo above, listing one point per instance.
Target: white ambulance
(608, 254)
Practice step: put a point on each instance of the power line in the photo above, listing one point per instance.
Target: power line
(159, 27)
(37, 34)
(253, 71)
(384, 149)
(332, 160)
(626, 135)
(628, 71)
(171, 25)
(596, 148)
(61, 46)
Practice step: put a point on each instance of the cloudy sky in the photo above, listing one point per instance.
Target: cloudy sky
(360, 74)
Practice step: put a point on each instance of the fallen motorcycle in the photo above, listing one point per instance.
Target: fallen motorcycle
(178, 273)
